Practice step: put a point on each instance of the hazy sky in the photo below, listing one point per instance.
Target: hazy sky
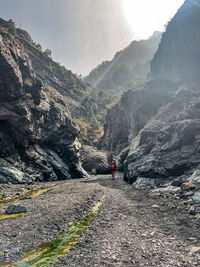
(83, 33)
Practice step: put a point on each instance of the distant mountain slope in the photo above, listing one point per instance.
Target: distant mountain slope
(127, 67)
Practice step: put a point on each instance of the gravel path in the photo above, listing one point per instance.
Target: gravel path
(132, 228)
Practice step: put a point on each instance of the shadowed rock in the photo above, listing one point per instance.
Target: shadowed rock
(159, 124)
(95, 159)
(37, 135)
(14, 209)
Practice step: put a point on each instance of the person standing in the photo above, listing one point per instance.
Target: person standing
(113, 168)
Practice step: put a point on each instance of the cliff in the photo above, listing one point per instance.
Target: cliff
(159, 123)
(177, 57)
(38, 140)
(134, 110)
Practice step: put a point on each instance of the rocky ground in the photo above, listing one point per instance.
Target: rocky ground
(133, 227)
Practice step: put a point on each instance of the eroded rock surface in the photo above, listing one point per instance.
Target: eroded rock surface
(37, 135)
(156, 128)
(169, 144)
(135, 109)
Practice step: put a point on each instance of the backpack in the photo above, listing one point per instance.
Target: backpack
(113, 166)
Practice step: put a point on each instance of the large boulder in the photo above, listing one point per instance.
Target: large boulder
(11, 175)
(95, 159)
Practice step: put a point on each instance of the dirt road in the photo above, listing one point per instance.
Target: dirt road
(132, 227)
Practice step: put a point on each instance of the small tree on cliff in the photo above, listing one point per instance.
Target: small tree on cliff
(48, 53)
(11, 27)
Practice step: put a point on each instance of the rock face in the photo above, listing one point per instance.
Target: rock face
(177, 57)
(94, 159)
(169, 144)
(57, 82)
(127, 67)
(135, 109)
(37, 135)
(160, 124)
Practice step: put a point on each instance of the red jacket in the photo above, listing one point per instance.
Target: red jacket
(113, 166)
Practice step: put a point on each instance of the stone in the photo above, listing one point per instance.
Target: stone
(95, 159)
(176, 183)
(167, 189)
(155, 206)
(185, 186)
(196, 198)
(14, 209)
(4, 195)
(155, 194)
(192, 211)
(188, 194)
(193, 249)
(193, 239)
(11, 175)
(195, 178)
(198, 216)
(147, 182)
(24, 198)
(94, 171)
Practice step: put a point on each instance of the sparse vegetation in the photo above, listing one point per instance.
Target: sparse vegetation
(84, 129)
(19, 42)
(48, 53)
(58, 125)
(4, 29)
(138, 84)
(94, 123)
(11, 27)
(29, 95)
(3, 195)
(50, 67)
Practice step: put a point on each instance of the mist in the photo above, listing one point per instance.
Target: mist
(80, 33)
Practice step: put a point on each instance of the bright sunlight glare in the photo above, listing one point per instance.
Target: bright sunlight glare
(146, 16)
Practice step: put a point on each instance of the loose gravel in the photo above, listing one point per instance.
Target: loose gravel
(132, 228)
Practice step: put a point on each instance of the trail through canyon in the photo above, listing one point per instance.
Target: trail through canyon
(132, 227)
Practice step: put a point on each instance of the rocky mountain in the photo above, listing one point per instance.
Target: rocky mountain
(177, 57)
(159, 123)
(127, 67)
(38, 139)
(56, 79)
